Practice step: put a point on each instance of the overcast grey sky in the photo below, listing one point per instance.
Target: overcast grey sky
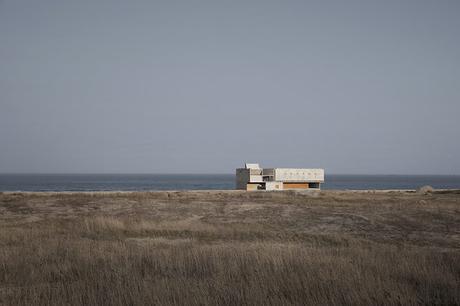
(203, 86)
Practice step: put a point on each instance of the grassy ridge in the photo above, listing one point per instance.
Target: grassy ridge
(229, 248)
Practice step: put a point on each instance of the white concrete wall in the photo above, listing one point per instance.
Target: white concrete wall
(298, 175)
(273, 185)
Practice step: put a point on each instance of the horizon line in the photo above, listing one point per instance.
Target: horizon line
(208, 173)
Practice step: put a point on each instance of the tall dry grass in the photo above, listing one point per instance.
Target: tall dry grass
(116, 261)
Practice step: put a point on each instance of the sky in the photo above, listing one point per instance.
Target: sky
(358, 87)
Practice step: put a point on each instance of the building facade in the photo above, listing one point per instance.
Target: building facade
(252, 177)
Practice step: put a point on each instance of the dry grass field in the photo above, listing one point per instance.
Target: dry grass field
(230, 248)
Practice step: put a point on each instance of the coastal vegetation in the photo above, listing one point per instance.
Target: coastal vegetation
(230, 248)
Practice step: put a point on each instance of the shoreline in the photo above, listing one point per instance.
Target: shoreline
(230, 191)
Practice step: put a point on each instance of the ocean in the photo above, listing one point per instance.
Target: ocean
(144, 182)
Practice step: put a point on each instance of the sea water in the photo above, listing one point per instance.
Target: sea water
(142, 182)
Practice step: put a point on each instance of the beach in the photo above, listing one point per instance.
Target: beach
(230, 247)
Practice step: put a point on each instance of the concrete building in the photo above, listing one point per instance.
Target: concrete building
(252, 177)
